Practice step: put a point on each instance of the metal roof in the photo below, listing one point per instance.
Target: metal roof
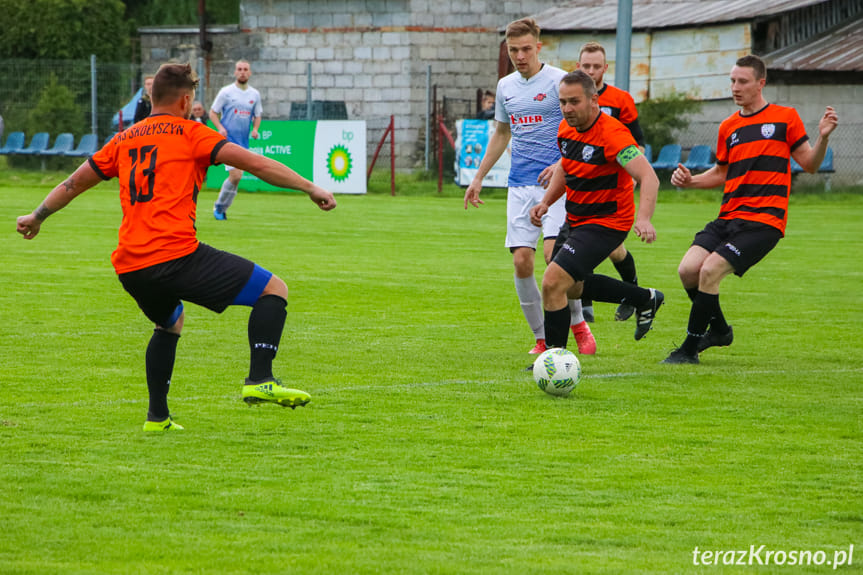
(839, 50)
(602, 14)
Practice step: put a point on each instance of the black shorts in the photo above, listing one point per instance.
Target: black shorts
(741, 242)
(580, 249)
(208, 277)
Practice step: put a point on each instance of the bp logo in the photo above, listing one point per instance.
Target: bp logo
(339, 163)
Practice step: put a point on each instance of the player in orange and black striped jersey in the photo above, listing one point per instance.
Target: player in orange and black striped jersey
(599, 159)
(752, 162)
(161, 163)
(618, 104)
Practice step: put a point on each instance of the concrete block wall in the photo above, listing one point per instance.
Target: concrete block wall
(373, 54)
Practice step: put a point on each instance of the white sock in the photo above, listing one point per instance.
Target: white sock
(226, 195)
(575, 312)
(531, 304)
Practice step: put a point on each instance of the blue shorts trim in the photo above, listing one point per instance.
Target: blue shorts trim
(178, 311)
(253, 288)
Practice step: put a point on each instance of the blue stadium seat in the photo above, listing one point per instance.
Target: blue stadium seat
(14, 143)
(62, 144)
(699, 159)
(669, 157)
(38, 144)
(108, 139)
(86, 147)
(648, 153)
(826, 166)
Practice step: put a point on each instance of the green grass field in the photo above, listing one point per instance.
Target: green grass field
(426, 448)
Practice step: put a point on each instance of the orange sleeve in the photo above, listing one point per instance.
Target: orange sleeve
(618, 139)
(628, 111)
(206, 144)
(105, 162)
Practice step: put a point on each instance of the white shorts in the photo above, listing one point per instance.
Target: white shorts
(519, 231)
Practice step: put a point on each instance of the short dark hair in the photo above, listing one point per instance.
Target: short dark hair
(523, 27)
(752, 61)
(172, 81)
(580, 77)
(591, 47)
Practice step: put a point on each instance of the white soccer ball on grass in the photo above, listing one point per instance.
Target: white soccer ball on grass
(557, 371)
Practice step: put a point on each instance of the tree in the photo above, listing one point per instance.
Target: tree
(181, 12)
(659, 118)
(64, 29)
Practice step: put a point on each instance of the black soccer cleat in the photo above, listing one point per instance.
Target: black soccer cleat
(712, 339)
(678, 357)
(645, 316)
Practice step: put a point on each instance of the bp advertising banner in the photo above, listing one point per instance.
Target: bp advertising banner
(331, 153)
(471, 141)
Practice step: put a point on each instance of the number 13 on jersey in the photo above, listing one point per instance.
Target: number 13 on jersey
(142, 175)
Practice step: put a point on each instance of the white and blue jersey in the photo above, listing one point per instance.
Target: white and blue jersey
(532, 110)
(238, 108)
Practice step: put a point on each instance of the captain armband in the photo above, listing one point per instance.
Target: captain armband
(628, 154)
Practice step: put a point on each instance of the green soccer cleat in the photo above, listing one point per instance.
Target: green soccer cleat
(271, 390)
(166, 425)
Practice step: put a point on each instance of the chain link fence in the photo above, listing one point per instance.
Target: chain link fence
(57, 96)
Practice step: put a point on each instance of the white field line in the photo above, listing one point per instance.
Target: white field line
(421, 384)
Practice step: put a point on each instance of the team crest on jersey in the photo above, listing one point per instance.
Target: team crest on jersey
(563, 148)
(734, 139)
(767, 130)
(539, 97)
(605, 110)
(587, 153)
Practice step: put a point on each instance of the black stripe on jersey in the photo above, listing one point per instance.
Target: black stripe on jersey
(755, 191)
(775, 212)
(597, 184)
(757, 164)
(611, 111)
(590, 210)
(96, 169)
(575, 151)
(797, 144)
(756, 133)
(215, 152)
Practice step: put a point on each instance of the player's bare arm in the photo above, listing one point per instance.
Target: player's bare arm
(712, 178)
(274, 173)
(544, 178)
(82, 180)
(496, 147)
(810, 157)
(256, 125)
(648, 189)
(556, 188)
(217, 121)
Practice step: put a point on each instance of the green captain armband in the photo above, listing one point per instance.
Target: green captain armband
(628, 154)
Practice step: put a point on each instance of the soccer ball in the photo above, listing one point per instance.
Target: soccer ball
(557, 371)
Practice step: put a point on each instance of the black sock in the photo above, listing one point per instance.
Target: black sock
(159, 361)
(557, 327)
(699, 318)
(626, 269)
(610, 290)
(586, 302)
(717, 322)
(266, 323)
(692, 292)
